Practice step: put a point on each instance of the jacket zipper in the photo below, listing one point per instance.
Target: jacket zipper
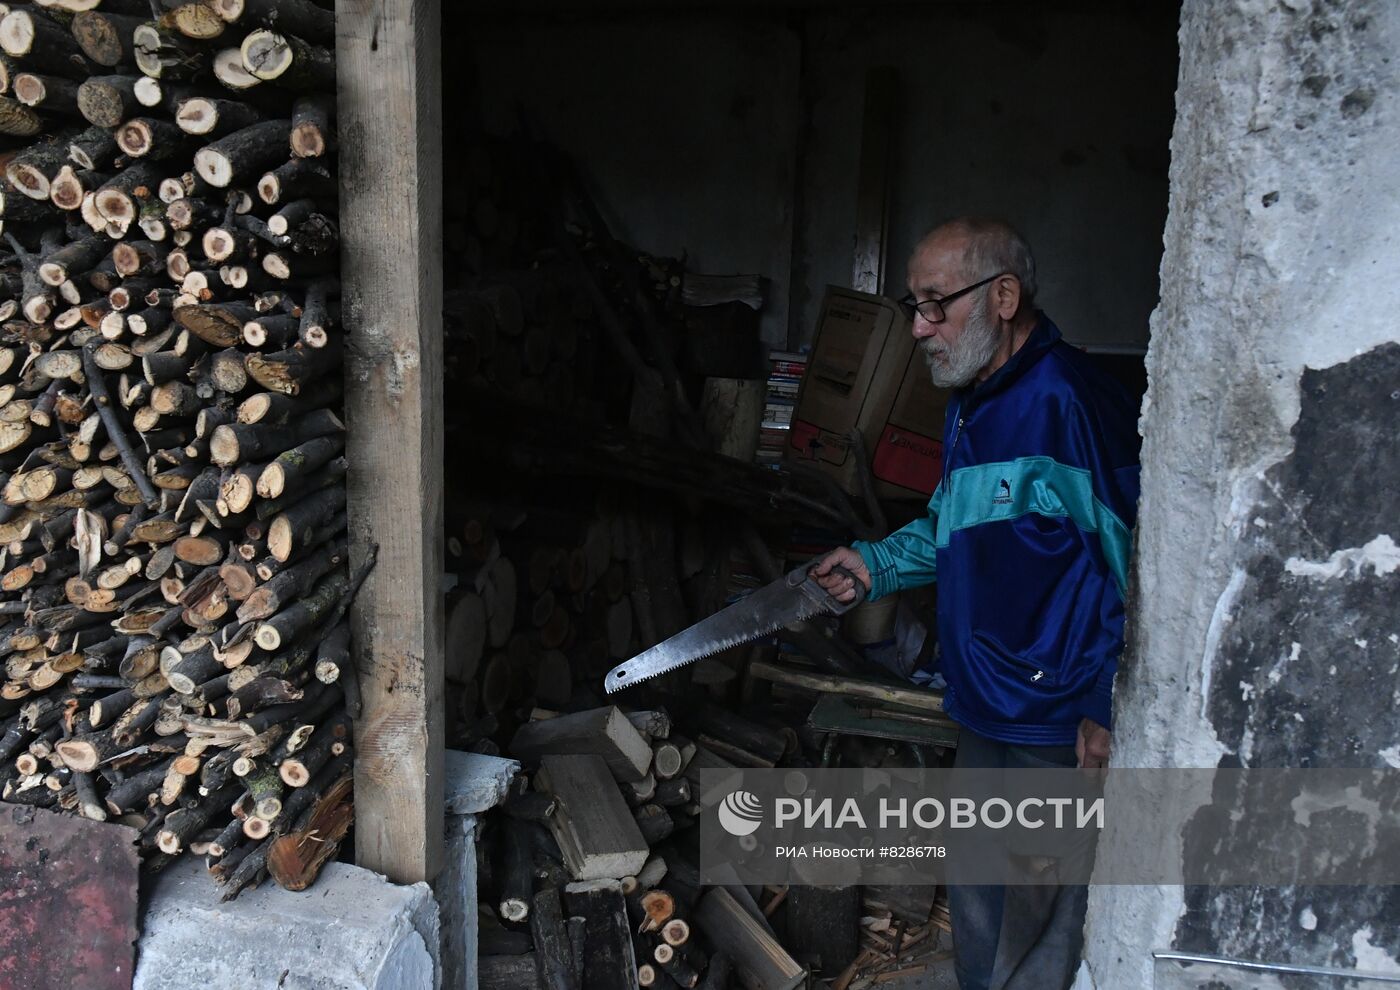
(948, 461)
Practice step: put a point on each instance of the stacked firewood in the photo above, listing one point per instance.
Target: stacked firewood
(582, 876)
(547, 600)
(175, 575)
(527, 336)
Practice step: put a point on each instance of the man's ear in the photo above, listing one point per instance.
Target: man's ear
(1006, 292)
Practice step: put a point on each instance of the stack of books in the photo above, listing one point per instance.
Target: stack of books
(786, 369)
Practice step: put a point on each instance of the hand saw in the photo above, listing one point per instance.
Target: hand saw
(790, 599)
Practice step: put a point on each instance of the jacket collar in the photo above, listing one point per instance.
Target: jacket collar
(1044, 336)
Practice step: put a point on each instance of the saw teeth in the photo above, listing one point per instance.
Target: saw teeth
(806, 609)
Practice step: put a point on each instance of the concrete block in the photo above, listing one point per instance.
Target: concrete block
(353, 930)
(457, 902)
(474, 783)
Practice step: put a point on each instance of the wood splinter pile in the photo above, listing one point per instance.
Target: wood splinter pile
(173, 567)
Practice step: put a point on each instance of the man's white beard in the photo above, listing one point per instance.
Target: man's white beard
(956, 366)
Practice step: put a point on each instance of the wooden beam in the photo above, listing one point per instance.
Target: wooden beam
(877, 145)
(388, 56)
(922, 699)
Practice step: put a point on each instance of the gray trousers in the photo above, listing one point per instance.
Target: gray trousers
(1015, 937)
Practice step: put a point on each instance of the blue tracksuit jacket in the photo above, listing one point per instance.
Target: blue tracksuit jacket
(1028, 535)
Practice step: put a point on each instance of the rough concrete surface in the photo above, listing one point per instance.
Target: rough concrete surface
(456, 894)
(353, 930)
(473, 782)
(1266, 569)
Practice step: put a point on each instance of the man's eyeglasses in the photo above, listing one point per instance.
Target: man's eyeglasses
(932, 310)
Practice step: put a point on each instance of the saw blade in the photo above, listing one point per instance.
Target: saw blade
(767, 610)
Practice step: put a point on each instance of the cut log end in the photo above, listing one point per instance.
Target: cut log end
(266, 55)
(213, 167)
(79, 755)
(197, 115)
(267, 637)
(136, 138)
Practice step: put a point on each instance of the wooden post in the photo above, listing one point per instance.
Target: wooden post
(388, 62)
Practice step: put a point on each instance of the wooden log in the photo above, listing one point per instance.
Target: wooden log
(823, 925)
(465, 636)
(595, 831)
(655, 823)
(247, 151)
(675, 965)
(317, 481)
(609, 957)
(38, 41)
(18, 120)
(717, 972)
(289, 371)
(295, 179)
(234, 443)
(605, 732)
(105, 37)
(666, 760)
(269, 55)
(52, 94)
(328, 740)
(301, 526)
(115, 431)
(553, 950)
(93, 148)
(673, 793)
(501, 972)
(314, 326)
(515, 878)
(162, 54)
(761, 962)
(70, 188)
(285, 588)
(217, 324)
(106, 101)
(150, 137)
(306, 612)
(210, 115)
(116, 202)
(301, 17)
(296, 858)
(920, 700)
(32, 170)
(311, 126)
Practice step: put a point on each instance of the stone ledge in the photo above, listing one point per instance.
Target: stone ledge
(353, 930)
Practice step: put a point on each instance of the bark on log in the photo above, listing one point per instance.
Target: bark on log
(242, 153)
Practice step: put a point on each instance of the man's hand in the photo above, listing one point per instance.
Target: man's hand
(838, 585)
(1093, 744)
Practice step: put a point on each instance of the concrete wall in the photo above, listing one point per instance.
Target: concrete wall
(1263, 630)
(684, 126)
(734, 136)
(1053, 116)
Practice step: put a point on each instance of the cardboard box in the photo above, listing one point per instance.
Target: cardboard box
(866, 374)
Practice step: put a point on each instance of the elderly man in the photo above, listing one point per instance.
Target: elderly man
(1028, 535)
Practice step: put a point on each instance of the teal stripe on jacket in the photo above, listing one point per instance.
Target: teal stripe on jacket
(1034, 484)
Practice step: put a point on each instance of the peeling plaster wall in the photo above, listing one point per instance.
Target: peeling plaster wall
(1264, 624)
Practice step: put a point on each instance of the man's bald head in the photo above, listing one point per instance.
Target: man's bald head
(985, 246)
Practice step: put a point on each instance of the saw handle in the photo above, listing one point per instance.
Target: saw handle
(802, 577)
